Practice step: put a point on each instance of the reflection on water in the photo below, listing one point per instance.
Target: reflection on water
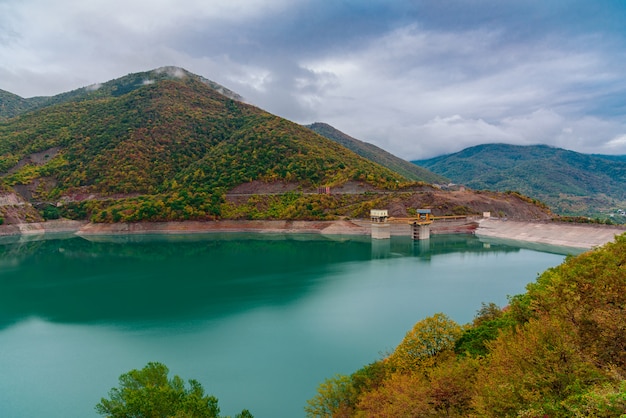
(260, 320)
(135, 278)
(164, 277)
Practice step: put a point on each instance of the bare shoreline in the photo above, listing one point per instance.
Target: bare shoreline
(561, 234)
(550, 233)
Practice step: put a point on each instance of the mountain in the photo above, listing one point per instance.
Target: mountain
(170, 140)
(569, 182)
(12, 105)
(167, 145)
(378, 155)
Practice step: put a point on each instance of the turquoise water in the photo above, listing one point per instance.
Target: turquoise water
(259, 320)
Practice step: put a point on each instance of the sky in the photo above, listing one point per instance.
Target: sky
(419, 78)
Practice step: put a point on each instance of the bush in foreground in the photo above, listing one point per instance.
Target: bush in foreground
(149, 393)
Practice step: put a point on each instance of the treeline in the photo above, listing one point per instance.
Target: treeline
(176, 206)
(298, 206)
(185, 205)
(559, 350)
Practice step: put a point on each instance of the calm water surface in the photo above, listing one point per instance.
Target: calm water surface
(260, 321)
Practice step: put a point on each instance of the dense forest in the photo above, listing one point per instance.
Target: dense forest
(559, 350)
(376, 154)
(570, 183)
(162, 146)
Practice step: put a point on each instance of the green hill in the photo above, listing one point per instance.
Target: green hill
(162, 145)
(378, 155)
(569, 182)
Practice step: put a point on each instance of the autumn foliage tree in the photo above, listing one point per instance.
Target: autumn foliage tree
(589, 293)
(533, 369)
(442, 390)
(429, 338)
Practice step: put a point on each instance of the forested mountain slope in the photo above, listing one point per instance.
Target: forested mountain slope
(168, 138)
(569, 182)
(379, 155)
(12, 104)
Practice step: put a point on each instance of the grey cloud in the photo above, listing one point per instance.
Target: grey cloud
(415, 77)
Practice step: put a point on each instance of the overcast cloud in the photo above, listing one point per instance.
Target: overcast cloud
(417, 77)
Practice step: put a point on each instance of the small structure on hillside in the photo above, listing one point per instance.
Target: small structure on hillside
(381, 229)
(420, 223)
(420, 227)
(424, 215)
(379, 215)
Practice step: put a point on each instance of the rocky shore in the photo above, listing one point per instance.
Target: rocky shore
(543, 232)
(550, 233)
(341, 227)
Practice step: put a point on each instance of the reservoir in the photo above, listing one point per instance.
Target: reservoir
(258, 320)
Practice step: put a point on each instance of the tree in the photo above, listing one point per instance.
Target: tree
(337, 397)
(401, 395)
(149, 393)
(489, 321)
(533, 369)
(334, 396)
(487, 312)
(601, 401)
(425, 341)
(589, 292)
(444, 390)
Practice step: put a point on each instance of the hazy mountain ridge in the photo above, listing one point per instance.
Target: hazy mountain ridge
(569, 182)
(376, 154)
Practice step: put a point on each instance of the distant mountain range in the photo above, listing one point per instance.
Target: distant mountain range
(378, 155)
(569, 182)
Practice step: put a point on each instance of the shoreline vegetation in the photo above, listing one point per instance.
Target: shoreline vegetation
(543, 232)
(555, 351)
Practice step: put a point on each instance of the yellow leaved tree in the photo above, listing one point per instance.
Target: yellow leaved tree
(422, 344)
